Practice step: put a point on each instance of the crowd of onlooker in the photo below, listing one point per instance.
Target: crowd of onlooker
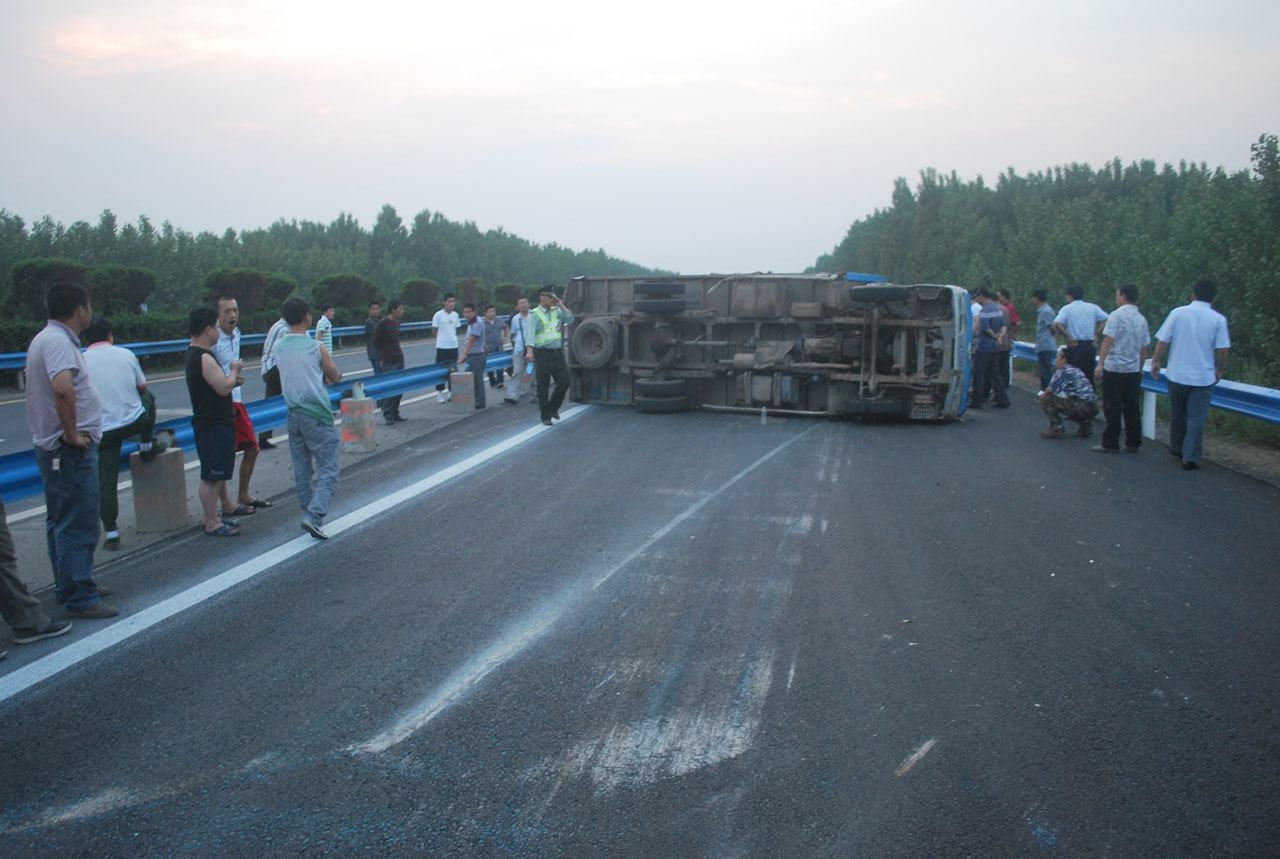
(83, 404)
(1107, 349)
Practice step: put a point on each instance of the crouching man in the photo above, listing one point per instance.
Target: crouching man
(1069, 395)
(305, 370)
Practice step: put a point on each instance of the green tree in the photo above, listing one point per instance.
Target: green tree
(120, 289)
(246, 285)
(348, 291)
(32, 279)
(420, 292)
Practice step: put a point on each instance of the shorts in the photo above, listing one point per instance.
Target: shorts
(216, 448)
(246, 438)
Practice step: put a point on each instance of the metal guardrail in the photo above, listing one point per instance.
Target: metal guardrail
(1253, 401)
(18, 360)
(20, 476)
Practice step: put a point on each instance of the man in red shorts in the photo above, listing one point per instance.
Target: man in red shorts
(227, 350)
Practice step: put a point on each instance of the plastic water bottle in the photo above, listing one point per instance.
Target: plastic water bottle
(764, 416)
(528, 369)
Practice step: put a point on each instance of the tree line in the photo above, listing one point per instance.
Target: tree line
(1158, 227)
(168, 269)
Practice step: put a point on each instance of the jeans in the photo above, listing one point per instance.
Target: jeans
(516, 387)
(20, 611)
(1046, 358)
(1122, 397)
(987, 377)
(549, 364)
(71, 521)
(475, 363)
(314, 445)
(391, 405)
(1006, 367)
(109, 459)
(1188, 411)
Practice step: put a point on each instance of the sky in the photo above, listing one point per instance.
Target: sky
(694, 136)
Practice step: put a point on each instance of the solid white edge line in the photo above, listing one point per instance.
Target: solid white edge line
(29, 675)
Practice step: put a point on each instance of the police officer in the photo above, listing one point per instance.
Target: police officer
(545, 348)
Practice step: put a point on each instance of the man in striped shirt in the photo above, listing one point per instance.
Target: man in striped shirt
(1080, 321)
(324, 329)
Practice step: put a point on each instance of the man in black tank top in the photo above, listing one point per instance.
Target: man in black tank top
(212, 418)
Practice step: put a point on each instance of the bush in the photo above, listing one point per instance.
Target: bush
(117, 289)
(344, 290)
(278, 288)
(246, 285)
(32, 279)
(506, 295)
(420, 292)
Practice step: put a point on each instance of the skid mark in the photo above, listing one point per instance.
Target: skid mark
(666, 746)
(915, 757)
(529, 629)
(111, 800)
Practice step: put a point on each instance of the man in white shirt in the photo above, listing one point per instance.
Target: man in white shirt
(445, 324)
(270, 374)
(519, 324)
(227, 351)
(1196, 340)
(324, 328)
(128, 409)
(1079, 321)
(1126, 339)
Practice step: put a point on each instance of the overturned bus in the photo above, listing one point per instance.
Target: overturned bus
(801, 344)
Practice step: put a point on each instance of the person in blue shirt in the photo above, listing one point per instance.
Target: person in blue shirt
(1068, 395)
(987, 352)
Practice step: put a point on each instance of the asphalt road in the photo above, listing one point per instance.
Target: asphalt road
(688, 634)
(173, 401)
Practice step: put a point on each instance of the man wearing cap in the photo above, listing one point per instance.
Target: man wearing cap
(545, 349)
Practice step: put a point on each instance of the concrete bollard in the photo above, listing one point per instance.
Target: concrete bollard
(464, 392)
(358, 424)
(160, 492)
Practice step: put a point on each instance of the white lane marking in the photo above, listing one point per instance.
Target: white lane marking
(914, 758)
(129, 626)
(107, 801)
(128, 484)
(530, 628)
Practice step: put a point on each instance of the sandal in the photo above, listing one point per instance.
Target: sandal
(242, 510)
(258, 502)
(223, 531)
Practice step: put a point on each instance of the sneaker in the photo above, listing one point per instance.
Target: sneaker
(509, 401)
(101, 611)
(1097, 448)
(1053, 432)
(266, 444)
(399, 419)
(52, 630)
(314, 530)
(439, 396)
(556, 414)
(448, 395)
(111, 544)
(547, 423)
(1189, 466)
